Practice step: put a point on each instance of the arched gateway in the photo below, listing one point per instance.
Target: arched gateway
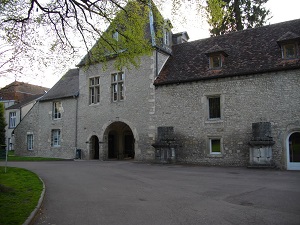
(120, 141)
(94, 147)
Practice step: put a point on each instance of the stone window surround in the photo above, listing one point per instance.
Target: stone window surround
(118, 86)
(56, 138)
(29, 141)
(12, 119)
(94, 90)
(206, 107)
(209, 147)
(57, 110)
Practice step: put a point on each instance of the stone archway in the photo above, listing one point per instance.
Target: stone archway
(120, 141)
(94, 147)
(293, 151)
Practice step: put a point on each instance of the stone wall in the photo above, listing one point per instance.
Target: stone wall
(39, 122)
(136, 110)
(270, 97)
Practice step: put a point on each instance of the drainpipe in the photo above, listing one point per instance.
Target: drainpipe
(151, 24)
(76, 118)
(152, 33)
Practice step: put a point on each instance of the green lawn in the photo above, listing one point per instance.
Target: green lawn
(13, 157)
(20, 191)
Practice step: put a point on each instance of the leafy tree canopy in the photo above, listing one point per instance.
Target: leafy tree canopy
(225, 16)
(52, 32)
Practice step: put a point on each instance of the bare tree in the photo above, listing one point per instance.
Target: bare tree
(41, 30)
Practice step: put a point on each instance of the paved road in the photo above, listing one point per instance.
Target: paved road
(129, 193)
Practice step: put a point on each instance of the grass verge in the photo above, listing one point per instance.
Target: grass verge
(20, 191)
(12, 157)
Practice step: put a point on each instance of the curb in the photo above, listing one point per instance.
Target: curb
(38, 206)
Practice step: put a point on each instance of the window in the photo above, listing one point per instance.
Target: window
(214, 107)
(289, 51)
(94, 89)
(55, 138)
(166, 37)
(115, 35)
(215, 61)
(57, 109)
(117, 86)
(215, 146)
(29, 141)
(12, 119)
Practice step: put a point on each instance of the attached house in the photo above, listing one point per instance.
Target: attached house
(18, 98)
(231, 100)
(14, 114)
(49, 129)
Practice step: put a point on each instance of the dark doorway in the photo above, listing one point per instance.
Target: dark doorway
(121, 141)
(294, 147)
(111, 146)
(128, 146)
(94, 147)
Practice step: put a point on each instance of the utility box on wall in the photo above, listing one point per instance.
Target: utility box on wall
(165, 146)
(261, 145)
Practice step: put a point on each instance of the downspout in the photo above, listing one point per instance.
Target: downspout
(152, 33)
(76, 119)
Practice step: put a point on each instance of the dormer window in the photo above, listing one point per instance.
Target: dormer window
(215, 61)
(167, 33)
(289, 51)
(289, 45)
(166, 37)
(216, 56)
(115, 35)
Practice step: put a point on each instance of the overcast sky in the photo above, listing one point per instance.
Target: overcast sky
(281, 10)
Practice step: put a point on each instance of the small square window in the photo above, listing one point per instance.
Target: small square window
(214, 107)
(215, 61)
(215, 146)
(289, 51)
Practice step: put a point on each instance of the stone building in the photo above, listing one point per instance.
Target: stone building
(18, 98)
(49, 128)
(210, 96)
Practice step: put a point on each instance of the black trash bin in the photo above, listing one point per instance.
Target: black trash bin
(78, 153)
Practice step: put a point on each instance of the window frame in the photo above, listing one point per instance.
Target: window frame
(55, 138)
(284, 50)
(117, 86)
(166, 37)
(94, 90)
(115, 35)
(210, 140)
(212, 111)
(30, 142)
(212, 61)
(12, 119)
(57, 106)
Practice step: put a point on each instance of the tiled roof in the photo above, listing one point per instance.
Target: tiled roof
(25, 102)
(67, 86)
(249, 51)
(19, 91)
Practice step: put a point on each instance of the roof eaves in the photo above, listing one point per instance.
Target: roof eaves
(162, 83)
